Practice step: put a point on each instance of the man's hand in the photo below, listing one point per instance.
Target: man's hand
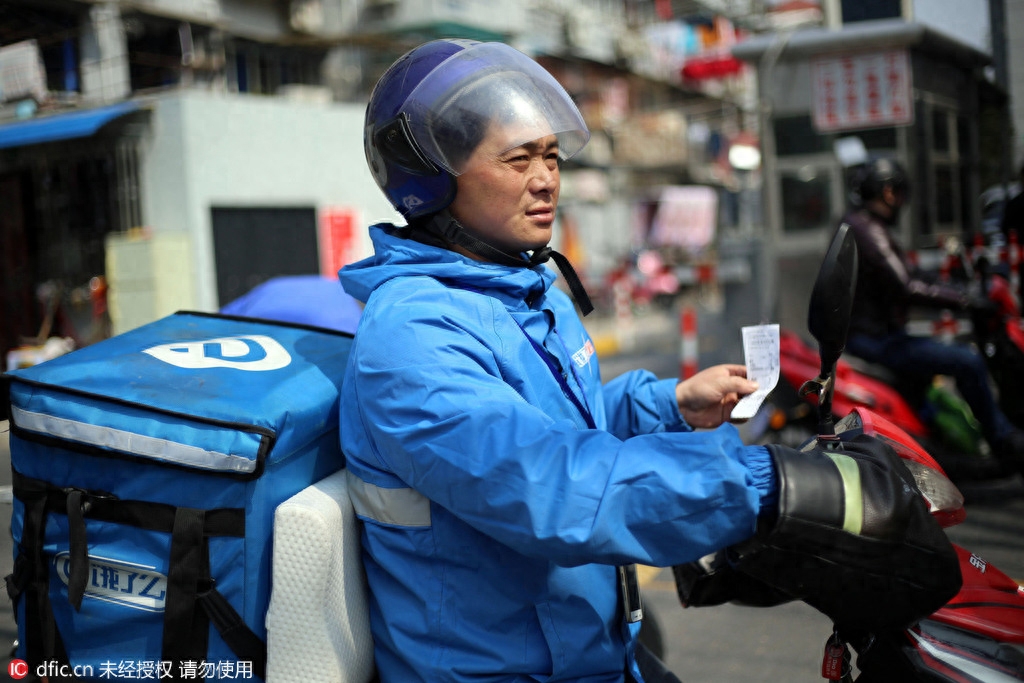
(706, 399)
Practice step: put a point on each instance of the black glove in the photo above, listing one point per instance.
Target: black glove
(853, 538)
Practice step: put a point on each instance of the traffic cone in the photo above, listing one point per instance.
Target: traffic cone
(689, 347)
(946, 268)
(622, 291)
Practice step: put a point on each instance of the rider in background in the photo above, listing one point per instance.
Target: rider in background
(1012, 220)
(1013, 211)
(888, 285)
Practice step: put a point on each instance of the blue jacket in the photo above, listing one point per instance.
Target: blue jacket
(500, 482)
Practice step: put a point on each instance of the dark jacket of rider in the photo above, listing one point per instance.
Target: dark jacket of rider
(887, 283)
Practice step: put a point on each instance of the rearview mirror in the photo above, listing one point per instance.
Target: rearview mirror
(828, 316)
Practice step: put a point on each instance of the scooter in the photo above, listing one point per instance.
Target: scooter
(932, 413)
(979, 634)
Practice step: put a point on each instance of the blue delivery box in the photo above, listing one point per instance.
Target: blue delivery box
(146, 471)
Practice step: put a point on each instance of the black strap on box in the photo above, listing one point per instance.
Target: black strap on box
(192, 602)
(186, 627)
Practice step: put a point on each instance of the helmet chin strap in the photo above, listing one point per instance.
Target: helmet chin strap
(442, 224)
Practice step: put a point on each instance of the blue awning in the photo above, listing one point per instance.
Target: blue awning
(74, 124)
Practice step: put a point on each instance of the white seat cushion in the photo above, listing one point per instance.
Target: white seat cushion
(318, 625)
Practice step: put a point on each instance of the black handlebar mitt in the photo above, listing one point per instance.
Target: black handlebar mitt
(853, 538)
(714, 580)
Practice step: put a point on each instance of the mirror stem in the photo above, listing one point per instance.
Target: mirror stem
(823, 387)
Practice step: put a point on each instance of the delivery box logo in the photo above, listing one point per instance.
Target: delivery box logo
(254, 353)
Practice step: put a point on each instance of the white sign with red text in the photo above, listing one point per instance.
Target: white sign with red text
(863, 90)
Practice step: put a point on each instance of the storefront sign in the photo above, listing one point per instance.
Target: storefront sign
(862, 91)
(337, 238)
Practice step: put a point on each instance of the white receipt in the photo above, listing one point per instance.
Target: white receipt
(761, 354)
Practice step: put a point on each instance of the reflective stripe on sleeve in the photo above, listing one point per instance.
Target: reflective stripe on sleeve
(396, 507)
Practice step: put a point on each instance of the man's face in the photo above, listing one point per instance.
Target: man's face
(508, 196)
(894, 198)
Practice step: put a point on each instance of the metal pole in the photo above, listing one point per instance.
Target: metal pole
(997, 22)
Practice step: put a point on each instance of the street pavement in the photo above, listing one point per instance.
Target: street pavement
(725, 644)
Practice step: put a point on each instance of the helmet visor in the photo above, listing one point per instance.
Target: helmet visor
(490, 89)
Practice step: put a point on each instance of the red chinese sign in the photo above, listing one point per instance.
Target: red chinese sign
(862, 91)
(337, 239)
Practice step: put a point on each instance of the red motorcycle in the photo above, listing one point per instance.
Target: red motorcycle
(854, 387)
(978, 635)
(932, 413)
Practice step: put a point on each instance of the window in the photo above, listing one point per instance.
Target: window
(865, 10)
(809, 177)
(262, 69)
(795, 135)
(154, 51)
(945, 197)
(940, 130)
(61, 62)
(806, 199)
(968, 218)
(55, 29)
(242, 72)
(875, 139)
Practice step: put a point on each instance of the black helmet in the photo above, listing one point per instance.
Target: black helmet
(869, 179)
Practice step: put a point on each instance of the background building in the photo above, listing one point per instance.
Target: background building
(912, 79)
(183, 151)
(187, 150)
